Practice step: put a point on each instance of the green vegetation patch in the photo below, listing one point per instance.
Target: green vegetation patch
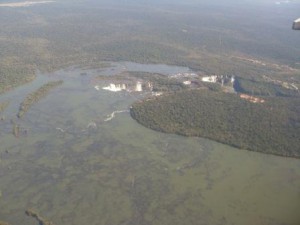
(36, 96)
(270, 127)
(14, 75)
(3, 106)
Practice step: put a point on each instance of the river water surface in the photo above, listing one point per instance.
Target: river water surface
(74, 167)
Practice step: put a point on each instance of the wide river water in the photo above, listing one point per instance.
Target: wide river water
(75, 168)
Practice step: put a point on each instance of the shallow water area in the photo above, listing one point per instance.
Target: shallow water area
(74, 166)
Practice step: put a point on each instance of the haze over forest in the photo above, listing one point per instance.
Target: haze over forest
(83, 30)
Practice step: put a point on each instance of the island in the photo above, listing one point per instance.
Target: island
(36, 96)
(267, 123)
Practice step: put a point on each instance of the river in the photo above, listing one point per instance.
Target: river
(75, 167)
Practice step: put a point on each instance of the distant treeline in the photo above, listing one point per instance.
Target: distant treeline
(55, 36)
(271, 127)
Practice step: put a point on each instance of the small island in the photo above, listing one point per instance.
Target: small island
(39, 219)
(36, 96)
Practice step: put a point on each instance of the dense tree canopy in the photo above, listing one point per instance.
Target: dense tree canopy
(269, 127)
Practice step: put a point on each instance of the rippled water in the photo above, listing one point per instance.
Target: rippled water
(122, 173)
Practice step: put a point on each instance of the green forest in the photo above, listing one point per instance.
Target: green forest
(219, 40)
(272, 127)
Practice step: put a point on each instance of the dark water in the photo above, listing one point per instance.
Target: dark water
(118, 172)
